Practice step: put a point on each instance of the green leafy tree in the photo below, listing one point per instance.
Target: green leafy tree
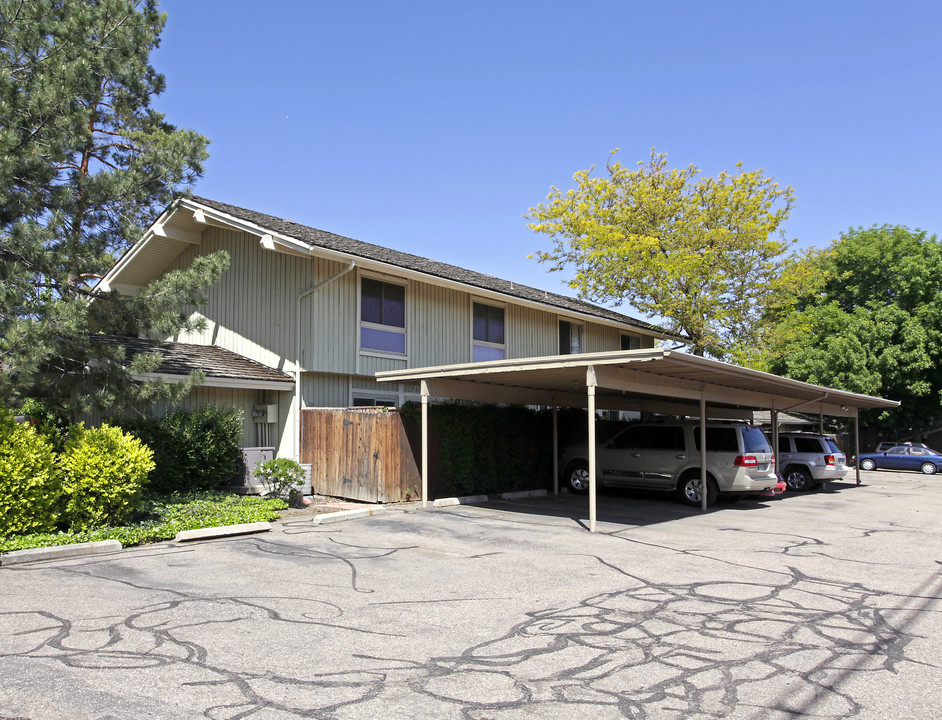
(85, 165)
(698, 253)
(865, 315)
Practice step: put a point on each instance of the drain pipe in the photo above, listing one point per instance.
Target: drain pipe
(297, 359)
(806, 402)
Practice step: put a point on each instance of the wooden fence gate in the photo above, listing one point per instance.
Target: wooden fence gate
(359, 454)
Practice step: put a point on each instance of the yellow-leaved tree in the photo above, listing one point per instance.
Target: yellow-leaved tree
(698, 253)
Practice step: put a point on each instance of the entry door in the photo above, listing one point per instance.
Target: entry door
(620, 459)
(665, 454)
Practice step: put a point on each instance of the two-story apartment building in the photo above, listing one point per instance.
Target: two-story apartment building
(304, 318)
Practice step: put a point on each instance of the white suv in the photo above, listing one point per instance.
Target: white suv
(666, 456)
(808, 460)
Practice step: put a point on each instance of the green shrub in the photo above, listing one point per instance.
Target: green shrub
(194, 450)
(279, 477)
(29, 483)
(104, 471)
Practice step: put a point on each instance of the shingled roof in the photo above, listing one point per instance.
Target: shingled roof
(357, 248)
(184, 358)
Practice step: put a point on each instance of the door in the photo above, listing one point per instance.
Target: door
(786, 451)
(663, 456)
(620, 459)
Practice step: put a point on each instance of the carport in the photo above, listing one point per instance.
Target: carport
(650, 380)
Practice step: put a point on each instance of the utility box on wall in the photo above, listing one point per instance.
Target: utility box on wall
(265, 413)
(245, 482)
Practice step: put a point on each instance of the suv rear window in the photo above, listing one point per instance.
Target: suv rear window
(719, 439)
(807, 444)
(832, 446)
(755, 441)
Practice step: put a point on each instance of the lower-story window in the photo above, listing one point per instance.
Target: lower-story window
(363, 401)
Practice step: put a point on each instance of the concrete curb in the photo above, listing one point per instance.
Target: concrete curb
(523, 494)
(467, 500)
(223, 531)
(342, 515)
(59, 552)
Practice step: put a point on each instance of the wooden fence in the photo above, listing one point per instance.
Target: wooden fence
(359, 454)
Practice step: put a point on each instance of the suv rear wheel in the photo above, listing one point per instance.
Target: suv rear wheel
(690, 488)
(577, 477)
(797, 479)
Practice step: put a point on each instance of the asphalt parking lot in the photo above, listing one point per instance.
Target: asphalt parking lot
(824, 605)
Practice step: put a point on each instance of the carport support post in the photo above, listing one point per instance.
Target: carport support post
(424, 444)
(857, 441)
(590, 383)
(703, 464)
(555, 450)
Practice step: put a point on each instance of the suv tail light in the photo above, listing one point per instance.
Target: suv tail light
(828, 459)
(746, 461)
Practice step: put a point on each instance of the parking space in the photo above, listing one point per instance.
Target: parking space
(816, 605)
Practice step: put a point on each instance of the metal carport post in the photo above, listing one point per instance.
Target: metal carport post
(424, 390)
(590, 385)
(703, 463)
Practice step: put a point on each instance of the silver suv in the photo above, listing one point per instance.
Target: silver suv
(666, 456)
(808, 460)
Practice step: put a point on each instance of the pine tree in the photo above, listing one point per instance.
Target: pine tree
(86, 164)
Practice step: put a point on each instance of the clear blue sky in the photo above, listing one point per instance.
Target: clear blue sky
(432, 126)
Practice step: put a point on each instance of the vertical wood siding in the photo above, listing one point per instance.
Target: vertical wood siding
(253, 308)
(530, 332)
(253, 311)
(329, 339)
(440, 326)
(325, 390)
(600, 338)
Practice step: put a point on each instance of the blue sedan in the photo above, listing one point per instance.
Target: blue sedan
(903, 457)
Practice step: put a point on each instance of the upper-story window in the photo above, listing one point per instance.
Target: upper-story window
(630, 342)
(487, 333)
(382, 316)
(571, 338)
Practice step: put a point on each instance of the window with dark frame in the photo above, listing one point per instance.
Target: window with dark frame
(630, 342)
(382, 316)
(487, 333)
(571, 338)
(373, 402)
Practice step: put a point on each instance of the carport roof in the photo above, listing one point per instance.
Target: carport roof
(653, 380)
